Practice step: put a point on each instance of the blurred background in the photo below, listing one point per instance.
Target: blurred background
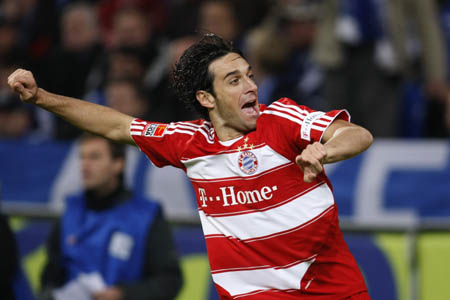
(386, 62)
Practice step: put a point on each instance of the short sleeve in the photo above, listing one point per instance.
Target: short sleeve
(315, 123)
(162, 143)
(297, 125)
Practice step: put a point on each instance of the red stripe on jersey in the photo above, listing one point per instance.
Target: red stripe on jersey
(230, 254)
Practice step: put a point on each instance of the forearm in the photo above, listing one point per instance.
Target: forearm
(347, 142)
(97, 119)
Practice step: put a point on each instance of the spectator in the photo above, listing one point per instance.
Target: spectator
(134, 51)
(439, 109)
(368, 46)
(117, 64)
(127, 97)
(15, 118)
(280, 51)
(110, 244)
(201, 15)
(36, 25)
(78, 52)
(9, 48)
(155, 12)
(132, 29)
(219, 17)
(165, 105)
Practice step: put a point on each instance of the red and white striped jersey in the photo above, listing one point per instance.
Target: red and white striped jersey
(269, 234)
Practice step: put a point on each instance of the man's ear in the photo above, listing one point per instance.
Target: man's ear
(205, 98)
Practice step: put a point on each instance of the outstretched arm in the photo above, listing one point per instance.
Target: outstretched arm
(341, 140)
(97, 119)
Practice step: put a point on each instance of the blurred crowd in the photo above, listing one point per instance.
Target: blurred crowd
(387, 62)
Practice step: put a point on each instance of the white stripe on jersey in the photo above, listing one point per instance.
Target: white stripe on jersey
(226, 164)
(195, 126)
(138, 127)
(244, 283)
(288, 109)
(258, 224)
(280, 114)
(178, 128)
(301, 111)
(173, 126)
(291, 118)
(203, 129)
(298, 110)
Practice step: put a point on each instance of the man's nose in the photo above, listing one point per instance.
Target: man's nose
(250, 85)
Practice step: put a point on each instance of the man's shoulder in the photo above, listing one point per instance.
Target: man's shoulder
(286, 102)
(145, 128)
(284, 110)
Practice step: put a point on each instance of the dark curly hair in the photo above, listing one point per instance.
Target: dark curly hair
(191, 72)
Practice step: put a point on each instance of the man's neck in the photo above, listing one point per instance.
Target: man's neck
(105, 200)
(224, 132)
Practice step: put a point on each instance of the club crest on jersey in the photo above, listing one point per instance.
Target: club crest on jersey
(155, 130)
(248, 163)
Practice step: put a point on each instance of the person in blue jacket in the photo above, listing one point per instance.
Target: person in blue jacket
(110, 244)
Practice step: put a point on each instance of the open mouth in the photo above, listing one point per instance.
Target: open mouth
(249, 104)
(250, 108)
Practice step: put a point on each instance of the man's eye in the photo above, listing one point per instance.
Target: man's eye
(234, 81)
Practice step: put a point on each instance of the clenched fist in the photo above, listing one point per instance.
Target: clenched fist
(311, 161)
(22, 82)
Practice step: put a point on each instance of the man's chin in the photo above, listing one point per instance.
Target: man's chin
(250, 125)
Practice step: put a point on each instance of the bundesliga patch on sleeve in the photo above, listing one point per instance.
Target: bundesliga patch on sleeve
(155, 130)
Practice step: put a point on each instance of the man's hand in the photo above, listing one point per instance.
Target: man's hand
(311, 161)
(22, 82)
(112, 293)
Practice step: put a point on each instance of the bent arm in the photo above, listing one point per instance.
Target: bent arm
(343, 140)
(97, 119)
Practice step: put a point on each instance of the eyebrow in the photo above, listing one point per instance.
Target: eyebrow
(235, 72)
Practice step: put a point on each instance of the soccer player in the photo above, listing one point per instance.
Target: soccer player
(266, 205)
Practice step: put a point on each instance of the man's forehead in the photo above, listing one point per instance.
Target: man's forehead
(94, 143)
(227, 63)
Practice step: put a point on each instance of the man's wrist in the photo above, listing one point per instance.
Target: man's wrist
(39, 97)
